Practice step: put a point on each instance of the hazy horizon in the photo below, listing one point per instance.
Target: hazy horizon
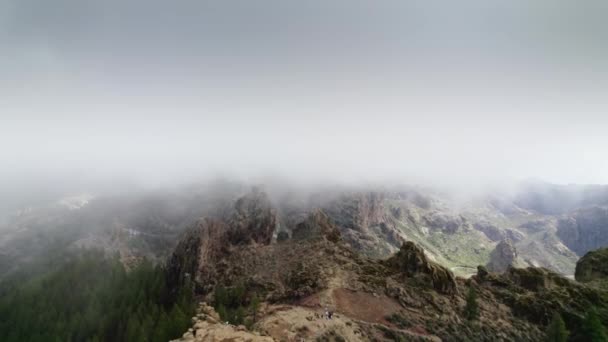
(162, 92)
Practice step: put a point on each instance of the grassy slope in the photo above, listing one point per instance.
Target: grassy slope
(470, 248)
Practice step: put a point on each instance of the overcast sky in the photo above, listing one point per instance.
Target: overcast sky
(440, 91)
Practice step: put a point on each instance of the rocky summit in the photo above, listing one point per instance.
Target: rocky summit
(268, 280)
(412, 262)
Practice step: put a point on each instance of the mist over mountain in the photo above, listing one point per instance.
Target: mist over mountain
(303, 171)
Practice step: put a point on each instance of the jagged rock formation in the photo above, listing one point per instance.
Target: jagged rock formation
(316, 225)
(201, 252)
(406, 296)
(502, 257)
(411, 261)
(593, 266)
(253, 220)
(364, 223)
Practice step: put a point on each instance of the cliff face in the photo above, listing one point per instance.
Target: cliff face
(364, 223)
(585, 229)
(199, 254)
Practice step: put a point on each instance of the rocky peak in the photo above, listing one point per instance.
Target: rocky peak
(412, 262)
(365, 223)
(358, 211)
(253, 219)
(592, 266)
(199, 253)
(502, 257)
(317, 224)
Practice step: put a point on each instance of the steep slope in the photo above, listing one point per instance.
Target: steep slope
(458, 234)
(535, 294)
(377, 223)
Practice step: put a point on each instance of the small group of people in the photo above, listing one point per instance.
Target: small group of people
(328, 313)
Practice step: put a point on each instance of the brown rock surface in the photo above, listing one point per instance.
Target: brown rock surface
(412, 262)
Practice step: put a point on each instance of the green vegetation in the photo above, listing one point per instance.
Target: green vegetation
(399, 320)
(471, 310)
(556, 330)
(462, 248)
(391, 334)
(233, 305)
(86, 296)
(592, 329)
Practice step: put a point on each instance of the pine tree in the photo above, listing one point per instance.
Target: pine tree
(471, 310)
(239, 315)
(592, 328)
(161, 330)
(556, 330)
(133, 329)
(221, 310)
(255, 306)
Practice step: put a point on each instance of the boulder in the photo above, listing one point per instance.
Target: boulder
(502, 257)
(412, 262)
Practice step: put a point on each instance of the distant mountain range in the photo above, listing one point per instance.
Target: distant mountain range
(548, 225)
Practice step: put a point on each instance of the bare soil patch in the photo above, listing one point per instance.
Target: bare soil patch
(364, 306)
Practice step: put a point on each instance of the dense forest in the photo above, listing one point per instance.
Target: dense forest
(88, 296)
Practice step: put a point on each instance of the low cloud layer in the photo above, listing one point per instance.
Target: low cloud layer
(166, 91)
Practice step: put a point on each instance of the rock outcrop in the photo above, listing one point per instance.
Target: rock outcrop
(200, 253)
(316, 225)
(497, 234)
(253, 220)
(502, 257)
(412, 262)
(364, 223)
(593, 266)
(207, 327)
(448, 223)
